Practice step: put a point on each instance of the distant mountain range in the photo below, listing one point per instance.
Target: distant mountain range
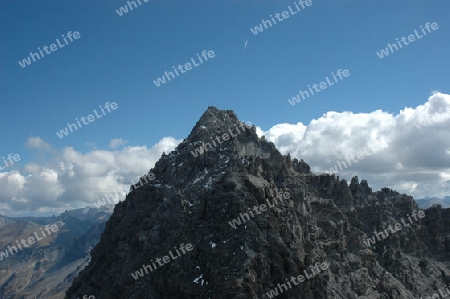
(46, 269)
(426, 202)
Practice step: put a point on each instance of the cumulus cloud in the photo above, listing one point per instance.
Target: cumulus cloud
(118, 142)
(37, 143)
(73, 179)
(406, 158)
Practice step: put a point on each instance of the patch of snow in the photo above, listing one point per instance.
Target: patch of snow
(198, 179)
(209, 183)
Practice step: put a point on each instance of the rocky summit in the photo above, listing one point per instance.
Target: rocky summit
(236, 219)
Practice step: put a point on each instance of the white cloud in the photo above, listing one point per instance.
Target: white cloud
(37, 143)
(407, 159)
(73, 179)
(118, 142)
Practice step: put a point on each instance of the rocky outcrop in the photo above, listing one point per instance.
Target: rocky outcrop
(208, 200)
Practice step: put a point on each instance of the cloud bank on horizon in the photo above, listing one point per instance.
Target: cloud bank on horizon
(411, 155)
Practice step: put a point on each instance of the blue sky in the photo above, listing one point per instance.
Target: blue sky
(117, 58)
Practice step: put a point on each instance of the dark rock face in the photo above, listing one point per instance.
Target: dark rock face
(195, 198)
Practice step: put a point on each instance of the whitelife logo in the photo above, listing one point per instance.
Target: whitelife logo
(31, 240)
(204, 147)
(411, 38)
(285, 14)
(140, 273)
(436, 295)
(397, 227)
(314, 271)
(90, 118)
(113, 198)
(27, 61)
(235, 222)
(124, 9)
(10, 159)
(433, 119)
(322, 86)
(187, 66)
(334, 169)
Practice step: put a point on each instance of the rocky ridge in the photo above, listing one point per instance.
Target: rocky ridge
(193, 199)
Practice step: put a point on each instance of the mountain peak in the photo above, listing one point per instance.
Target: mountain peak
(206, 194)
(217, 143)
(213, 122)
